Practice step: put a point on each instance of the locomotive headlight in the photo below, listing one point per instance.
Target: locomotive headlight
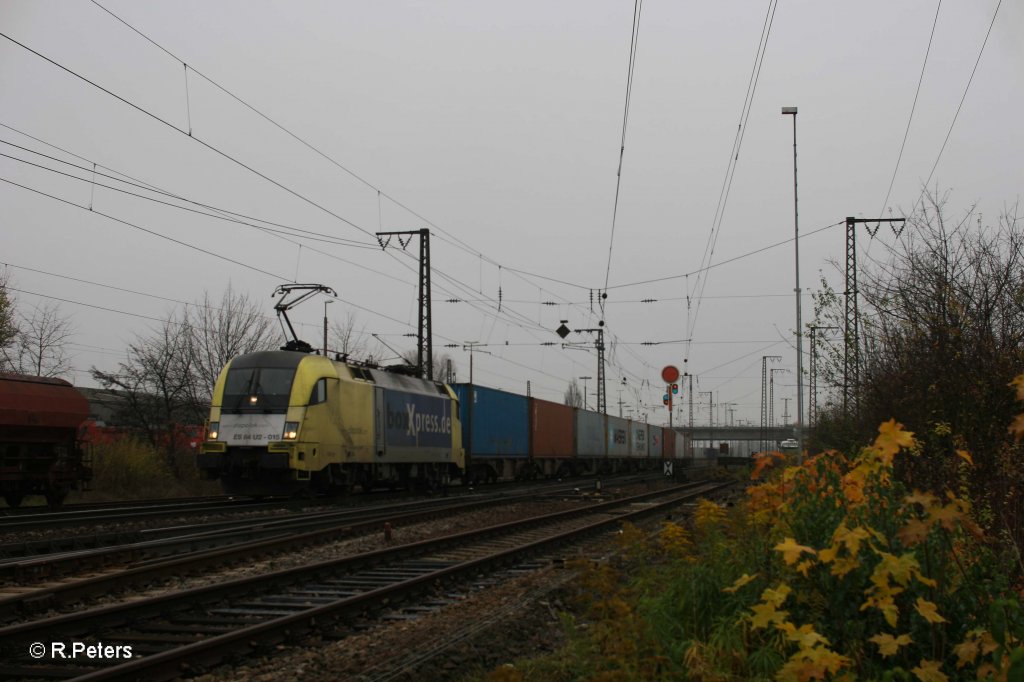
(213, 431)
(291, 430)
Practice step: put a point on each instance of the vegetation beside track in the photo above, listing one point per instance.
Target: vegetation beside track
(834, 568)
(130, 469)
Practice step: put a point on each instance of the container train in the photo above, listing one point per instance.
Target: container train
(287, 422)
(40, 452)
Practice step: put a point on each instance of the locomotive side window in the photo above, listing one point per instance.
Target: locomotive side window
(319, 393)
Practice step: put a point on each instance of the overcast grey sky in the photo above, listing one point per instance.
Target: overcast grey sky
(500, 124)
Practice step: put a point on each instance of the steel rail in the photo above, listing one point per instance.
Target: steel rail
(195, 554)
(164, 664)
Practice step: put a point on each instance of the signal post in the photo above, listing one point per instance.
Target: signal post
(670, 375)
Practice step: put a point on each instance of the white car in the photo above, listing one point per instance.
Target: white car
(788, 444)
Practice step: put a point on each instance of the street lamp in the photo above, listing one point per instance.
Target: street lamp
(328, 301)
(791, 111)
(585, 391)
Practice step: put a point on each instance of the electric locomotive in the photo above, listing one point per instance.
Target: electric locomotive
(286, 422)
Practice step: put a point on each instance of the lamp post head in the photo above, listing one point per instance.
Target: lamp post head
(789, 110)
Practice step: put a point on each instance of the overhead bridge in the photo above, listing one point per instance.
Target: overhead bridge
(728, 443)
(774, 435)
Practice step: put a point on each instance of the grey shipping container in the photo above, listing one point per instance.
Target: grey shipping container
(590, 436)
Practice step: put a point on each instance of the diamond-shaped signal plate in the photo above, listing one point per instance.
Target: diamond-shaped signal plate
(562, 331)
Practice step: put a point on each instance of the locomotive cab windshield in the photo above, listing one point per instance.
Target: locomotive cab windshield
(258, 389)
(260, 382)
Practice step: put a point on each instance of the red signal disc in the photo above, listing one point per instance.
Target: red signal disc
(669, 374)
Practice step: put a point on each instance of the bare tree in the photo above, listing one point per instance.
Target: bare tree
(347, 339)
(42, 342)
(942, 334)
(33, 344)
(156, 383)
(8, 325)
(219, 332)
(168, 378)
(440, 363)
(574, 394)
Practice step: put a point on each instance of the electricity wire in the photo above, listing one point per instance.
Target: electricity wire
(960, 105)
(913, 107)
(193, 137)
(734, 155)
(637, 11)
(634, 39)
(455, 241)
(146, 230)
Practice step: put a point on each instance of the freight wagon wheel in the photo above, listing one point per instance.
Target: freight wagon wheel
(55, 498)
(13, 500)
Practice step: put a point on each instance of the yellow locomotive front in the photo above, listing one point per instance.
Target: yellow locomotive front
(286, 422)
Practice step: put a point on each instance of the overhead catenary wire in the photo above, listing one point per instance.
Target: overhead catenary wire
(734, 155)
(146, 230)
(455, 241)
(212, 212)
(142, 184)
(913, 107)
(729, 260)
(963, 97)
(192, 137)
(354, 305)
(205, 144)
(634, 39)
(187, 67)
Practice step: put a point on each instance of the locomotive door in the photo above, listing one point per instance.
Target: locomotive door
(321, 424)
(379, 426)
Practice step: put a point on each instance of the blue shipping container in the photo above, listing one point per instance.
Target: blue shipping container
(494, 423)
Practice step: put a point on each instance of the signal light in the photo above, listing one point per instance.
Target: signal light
(675, 388)
(664, 399)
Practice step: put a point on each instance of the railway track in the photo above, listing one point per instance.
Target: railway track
(15, 551)
(130, 512)
(173, 552)
(94, 514)
(29, 510)
(181, 631)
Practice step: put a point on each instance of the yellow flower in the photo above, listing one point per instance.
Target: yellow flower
(929, 611)
(740, 582)
(891, 438)
(889, 645)
(928, 671)
(1018, 382)
(966, 456)
(792, 551)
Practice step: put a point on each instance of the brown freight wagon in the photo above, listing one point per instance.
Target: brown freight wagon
(39, 449)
